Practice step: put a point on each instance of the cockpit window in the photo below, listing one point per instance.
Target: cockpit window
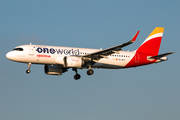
(18, 49)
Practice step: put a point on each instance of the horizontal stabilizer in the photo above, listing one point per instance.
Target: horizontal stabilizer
(162, 55)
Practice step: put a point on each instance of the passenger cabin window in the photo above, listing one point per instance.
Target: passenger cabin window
(17, 49)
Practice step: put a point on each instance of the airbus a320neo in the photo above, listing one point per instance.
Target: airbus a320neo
(58, 60)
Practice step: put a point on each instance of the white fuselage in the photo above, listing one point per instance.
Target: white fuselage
(42, 54)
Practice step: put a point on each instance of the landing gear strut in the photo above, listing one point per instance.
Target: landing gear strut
(76, 76)
(90, 71)
(28, 70)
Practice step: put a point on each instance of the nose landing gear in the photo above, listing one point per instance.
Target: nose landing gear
(28, 70)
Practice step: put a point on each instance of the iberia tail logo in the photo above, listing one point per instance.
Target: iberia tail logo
(152, 43)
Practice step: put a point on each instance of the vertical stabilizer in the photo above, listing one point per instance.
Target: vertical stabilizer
(152, 43)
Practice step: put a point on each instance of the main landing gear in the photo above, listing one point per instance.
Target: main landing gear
(76, 76)
(90, 72)
(28, 70)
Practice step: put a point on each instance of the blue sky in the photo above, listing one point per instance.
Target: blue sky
(147, 92)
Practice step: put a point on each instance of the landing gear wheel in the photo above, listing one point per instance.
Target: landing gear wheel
(28, 71)
(90, 72)
(77, 76)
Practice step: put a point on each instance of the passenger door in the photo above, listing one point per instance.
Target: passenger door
(31, 50)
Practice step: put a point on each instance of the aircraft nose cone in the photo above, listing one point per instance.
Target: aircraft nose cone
(12, 55)
(9, 55)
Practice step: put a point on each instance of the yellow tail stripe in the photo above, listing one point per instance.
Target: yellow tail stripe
(157, 30)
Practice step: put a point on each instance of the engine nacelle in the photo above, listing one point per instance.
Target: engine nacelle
(54, 70)
(70, 61)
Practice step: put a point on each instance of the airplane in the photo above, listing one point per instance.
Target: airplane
(58, 60)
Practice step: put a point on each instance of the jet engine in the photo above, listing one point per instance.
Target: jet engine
(70, 61)
(54, 70)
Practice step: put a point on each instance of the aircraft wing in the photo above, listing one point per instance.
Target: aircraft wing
(104, 53)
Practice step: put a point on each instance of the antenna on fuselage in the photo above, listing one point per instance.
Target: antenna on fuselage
(30, 43)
